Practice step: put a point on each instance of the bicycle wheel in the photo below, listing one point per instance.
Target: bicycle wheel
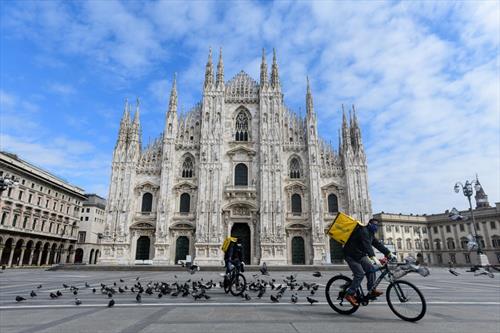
(238, 285)
(335, 291)
(406, 301)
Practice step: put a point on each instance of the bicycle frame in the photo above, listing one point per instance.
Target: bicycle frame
(385, 273)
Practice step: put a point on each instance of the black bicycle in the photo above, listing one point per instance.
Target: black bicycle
(234, 281)
(404, 298)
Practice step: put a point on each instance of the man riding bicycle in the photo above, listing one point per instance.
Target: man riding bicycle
(233, 255)
(359, 255)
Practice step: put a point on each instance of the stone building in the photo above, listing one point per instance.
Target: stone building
(39, 217)
(438, 239)
(240, 162)
(92, 220)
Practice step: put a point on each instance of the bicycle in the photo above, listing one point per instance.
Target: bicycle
(234, 281)
(400, 294)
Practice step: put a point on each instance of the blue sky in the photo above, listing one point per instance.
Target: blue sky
(424, 77)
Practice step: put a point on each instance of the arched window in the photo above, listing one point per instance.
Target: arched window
(398, 243)
(296, 204)
(294, 168)
(241, 175)
(333, 204)
(408, 244)
(437, 244)
(241, 127)
(463, 242)
(389, 241)
(185, 203)
(147, 202)
(426, 244)
(187, 167)
(450, 243)
(495, 241)
(4, 218)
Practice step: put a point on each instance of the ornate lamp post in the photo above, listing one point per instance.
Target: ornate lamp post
(468, 190)
(6, 182)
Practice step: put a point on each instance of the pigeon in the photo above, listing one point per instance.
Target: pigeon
(274, 299)
(261, 292)
(19, 299)
(454, 272)
(317, 274)
(247, 297)
(52, 295)
(311, 300)
(78, 301)
(65, 286)
(263, 269)
(93, 290)
(121, 290)
(58, 293)
(33, 294)
(111, 303)
(87, 285)
(75, 292)
(121, 280)
(137, 278)
(294, 299)
(138, 298)
(39, 286)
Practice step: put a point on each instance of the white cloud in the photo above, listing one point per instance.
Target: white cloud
(62, 88)
(423, 75)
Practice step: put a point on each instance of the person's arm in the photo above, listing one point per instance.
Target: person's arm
(379, 246)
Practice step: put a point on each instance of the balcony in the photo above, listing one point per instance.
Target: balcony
(248, 191)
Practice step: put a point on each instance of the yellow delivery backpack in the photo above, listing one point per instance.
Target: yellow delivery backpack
(342, 228)
(227, 242)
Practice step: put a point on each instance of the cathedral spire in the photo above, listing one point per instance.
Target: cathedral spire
(263, 70)
(309, 99)
(346, 137)
(172, 104)
(136, 114)
(209, 71)
(124, 124)
(220, 70)
(275, 80)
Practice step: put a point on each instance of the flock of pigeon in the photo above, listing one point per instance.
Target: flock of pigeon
(197, 289)
(478, 271)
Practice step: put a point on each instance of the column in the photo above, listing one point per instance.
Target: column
(23, 248)
(39, 261)
(12, 249)
(72, 257)
(62, 258)
(30, 261)
(1, 250)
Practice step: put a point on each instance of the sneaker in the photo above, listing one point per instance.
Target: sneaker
(375, 293)
(352, 299)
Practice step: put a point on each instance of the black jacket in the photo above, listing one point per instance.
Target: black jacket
(360, 244)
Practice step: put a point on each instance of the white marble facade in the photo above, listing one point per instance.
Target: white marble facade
(239, 162)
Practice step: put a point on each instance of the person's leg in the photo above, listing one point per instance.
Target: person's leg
(358, 273)
(369, 270)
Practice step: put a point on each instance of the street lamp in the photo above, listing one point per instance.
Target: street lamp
(468, 190)
(6, 182)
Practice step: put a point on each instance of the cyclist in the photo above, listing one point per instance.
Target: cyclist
(233, 255)
(359, 255)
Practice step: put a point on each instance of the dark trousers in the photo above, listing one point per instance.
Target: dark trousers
(360, 268)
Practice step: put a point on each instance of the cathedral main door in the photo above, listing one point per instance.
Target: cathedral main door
(242, 232)
(142, 252)
(181, 248)
(298, 251)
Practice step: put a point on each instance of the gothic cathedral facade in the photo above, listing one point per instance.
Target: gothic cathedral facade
(239, 163)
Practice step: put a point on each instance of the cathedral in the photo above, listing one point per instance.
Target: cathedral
(238, 163)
